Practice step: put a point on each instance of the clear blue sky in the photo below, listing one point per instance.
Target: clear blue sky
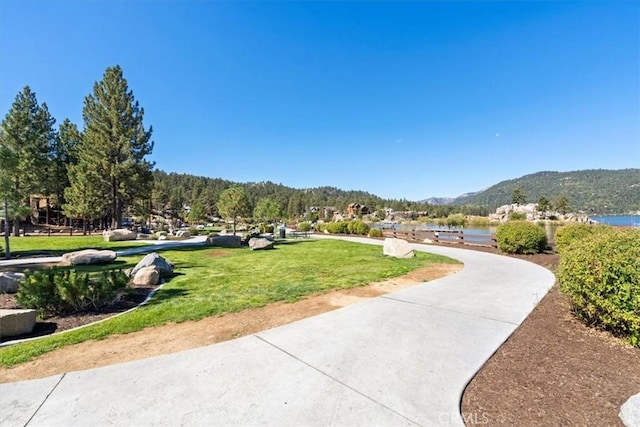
(401, 99)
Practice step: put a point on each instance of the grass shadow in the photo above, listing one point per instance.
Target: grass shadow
(162, 295)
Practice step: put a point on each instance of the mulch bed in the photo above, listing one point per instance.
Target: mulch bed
(135, 295)
(554, 371)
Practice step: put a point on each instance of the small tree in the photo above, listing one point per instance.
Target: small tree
(543, 204)
(267, 210)
(518, 196)
(197, 213)
(233, 203)
(562, 204)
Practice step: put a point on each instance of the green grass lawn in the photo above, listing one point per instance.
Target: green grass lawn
(213, 281)
(58, 245)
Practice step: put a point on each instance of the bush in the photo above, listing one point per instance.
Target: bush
(521, 237)
(304, 226)
(568, 234)
(338, 227)
(517, 216)
(375, 232)
(266, 228)
(456, 220)
(56, 291)
(358, 227)
(601, 277)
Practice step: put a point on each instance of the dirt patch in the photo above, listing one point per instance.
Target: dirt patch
(217, 253)
(182, 336)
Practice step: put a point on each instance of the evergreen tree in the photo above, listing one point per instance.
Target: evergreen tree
(562, 204)
(116, 143)
(518, 197)
(25, 136)
(233, 203)
(85, 194)
(63, 154)
(543, 204)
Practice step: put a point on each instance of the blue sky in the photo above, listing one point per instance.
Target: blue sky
(401, 99)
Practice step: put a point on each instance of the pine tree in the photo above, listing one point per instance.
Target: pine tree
(85, 194)
(63, 154)
(25, 136)
(116, 143)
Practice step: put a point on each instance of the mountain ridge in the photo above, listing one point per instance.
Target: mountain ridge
(602, 191)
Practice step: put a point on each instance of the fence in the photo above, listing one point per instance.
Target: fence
(444, 236)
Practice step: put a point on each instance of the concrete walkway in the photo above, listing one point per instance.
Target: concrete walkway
(400, 359)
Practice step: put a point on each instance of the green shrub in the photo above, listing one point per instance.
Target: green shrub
(304, 226)
(517, 216)
(56, 291)
(266, 228)
(456, 220)
(601, 277)
(375, 232)
(568, 234)
(338, 227)
(521, 237)
(358, 227)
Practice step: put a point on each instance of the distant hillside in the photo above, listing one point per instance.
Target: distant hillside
(591, 191)
(438, 201)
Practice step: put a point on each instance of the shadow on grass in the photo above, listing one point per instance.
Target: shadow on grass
(166, 294)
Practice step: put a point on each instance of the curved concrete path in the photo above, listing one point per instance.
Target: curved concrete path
(400, 359)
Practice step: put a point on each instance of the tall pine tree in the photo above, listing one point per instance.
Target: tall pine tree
(25, 136)
(63, 154)
(115, 144)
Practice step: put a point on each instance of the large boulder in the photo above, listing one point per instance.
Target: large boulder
(119, 235)
(397, 248)
(630, 411)
(88, 256)
(165, 268)
(16, 322)
(9, 282)
(183, 234)
(147, 276)
(256, 243)
(225, 241)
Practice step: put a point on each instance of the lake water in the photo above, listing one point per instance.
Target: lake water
(618, 220)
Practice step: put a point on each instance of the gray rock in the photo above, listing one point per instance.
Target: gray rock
(256, 243)
(147, 276)
(119, 235)
(16, 322)
(88, 256)
(397, 248)
(183, 234)
(9, 282)
(630, 411)
(165, 268)
(226, 241)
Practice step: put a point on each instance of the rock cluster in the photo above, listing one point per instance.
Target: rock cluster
(150, 270)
